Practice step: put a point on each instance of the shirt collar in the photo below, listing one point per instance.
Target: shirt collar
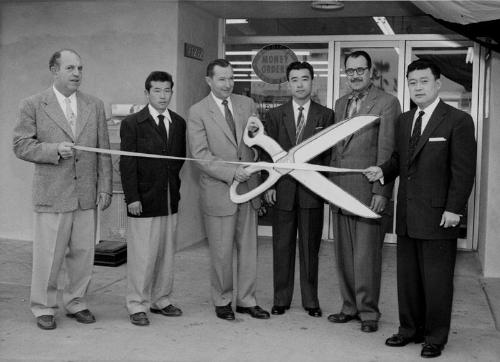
(305, 106)
(61, 97)
(219, 101)
(153, 112)
(430, 108)
(361, 94)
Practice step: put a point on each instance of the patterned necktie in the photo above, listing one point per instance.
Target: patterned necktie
(352, 109)
(70, 115)
(415, 135)
(300, 126)
(161, 126)
(229, 118)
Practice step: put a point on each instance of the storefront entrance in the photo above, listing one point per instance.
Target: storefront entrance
(459, 60)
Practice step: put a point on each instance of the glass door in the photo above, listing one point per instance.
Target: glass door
(268, 96)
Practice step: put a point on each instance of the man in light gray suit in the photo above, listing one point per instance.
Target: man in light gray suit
(67, 186)
(358, 241)
(215, 129)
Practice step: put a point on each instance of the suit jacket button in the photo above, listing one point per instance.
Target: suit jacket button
(409, 177)
(75, 178)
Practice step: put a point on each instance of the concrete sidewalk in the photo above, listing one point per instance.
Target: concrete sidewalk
(199, 336)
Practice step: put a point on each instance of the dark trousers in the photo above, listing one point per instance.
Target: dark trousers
(425, 271)
(310, 225)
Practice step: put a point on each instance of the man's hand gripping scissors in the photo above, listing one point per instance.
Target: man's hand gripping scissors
(294, 163)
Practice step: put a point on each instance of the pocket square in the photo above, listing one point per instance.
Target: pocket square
(318, 128)
(437, 139)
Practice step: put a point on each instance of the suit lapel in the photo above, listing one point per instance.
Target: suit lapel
(54, 111)
(366, 107)
(220, 119)
(83, 112)
(312, 121)
(434, 121)
(289, 122)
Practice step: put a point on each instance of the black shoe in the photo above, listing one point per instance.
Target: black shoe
(83, 316)
(342, 318)
(314, 312)
(169, 311)
(278, 309)
(139, 319)
(369, 326)
(256, 312)
(398, 340)
(225, 312)
(46, 322)
(431, 350)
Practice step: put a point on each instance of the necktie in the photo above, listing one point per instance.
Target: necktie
(352, 109)
(70, 115)
(300, 126)
(161, 126)
(229, 118)
(415, 135)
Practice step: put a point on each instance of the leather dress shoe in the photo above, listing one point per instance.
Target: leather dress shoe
(255, 312)
(398, 340)
(278, 309)
(314, 312)
(46, 322)
(169, 311)
(84, 316)
(431, 350)
(225, 312)
(342, 318)
(369, 326)
(139, 319)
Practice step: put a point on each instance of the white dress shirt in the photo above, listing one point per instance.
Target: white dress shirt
(154, 113)
(62, 103)
(427, 114)
(218, 101)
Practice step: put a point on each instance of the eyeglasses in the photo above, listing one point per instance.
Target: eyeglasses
(359, 71)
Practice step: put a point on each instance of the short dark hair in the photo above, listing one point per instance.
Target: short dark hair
(422, 64)
(297, 66)
(158, 76)
(220, 62)
(357, 54)
(54, 59)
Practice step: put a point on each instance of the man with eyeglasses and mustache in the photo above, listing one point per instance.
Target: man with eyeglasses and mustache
(358, 241)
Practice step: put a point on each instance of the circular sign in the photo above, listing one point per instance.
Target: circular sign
(271, 61)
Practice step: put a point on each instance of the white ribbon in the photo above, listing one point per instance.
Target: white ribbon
(270, 165)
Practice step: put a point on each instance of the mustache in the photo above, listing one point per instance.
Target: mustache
(356, 79)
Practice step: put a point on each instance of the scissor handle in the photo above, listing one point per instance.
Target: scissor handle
(271, 180)
(258, 138)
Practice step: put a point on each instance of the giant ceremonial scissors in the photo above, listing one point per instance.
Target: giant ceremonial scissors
(300, 154)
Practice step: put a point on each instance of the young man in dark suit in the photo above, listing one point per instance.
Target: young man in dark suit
(295, 206)
(151, 188)
(358, 241)
(435, 159)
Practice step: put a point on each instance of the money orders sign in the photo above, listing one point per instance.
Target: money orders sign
(271, 61)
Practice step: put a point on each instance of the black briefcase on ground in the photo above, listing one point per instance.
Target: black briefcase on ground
(110, 253)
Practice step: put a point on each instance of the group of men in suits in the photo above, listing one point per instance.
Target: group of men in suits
(432, 151)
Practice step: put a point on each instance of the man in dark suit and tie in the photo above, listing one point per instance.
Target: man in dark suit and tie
(215, 130)
(358, 241)
(295, 206)
(67, 185)
(435, 159)
(151, 188)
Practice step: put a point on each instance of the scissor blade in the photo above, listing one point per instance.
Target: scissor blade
(328, 137)
(323, 187)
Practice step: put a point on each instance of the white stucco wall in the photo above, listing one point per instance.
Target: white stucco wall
(119, 42)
